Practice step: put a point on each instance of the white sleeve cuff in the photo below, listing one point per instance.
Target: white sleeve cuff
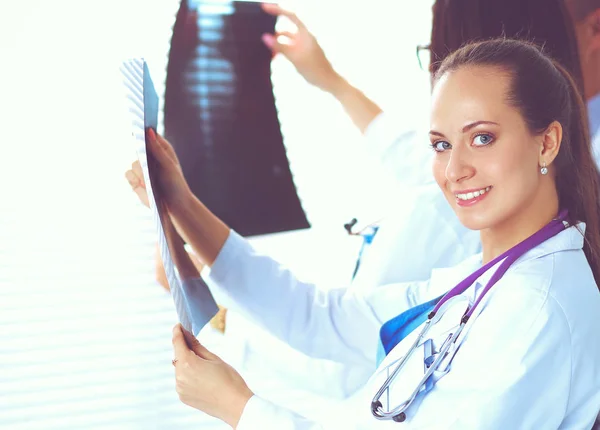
(260, 414)
(224, 267)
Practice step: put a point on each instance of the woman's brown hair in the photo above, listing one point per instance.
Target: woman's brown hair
(543, 91)
(546, 23)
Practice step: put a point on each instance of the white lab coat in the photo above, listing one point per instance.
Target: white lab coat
(421, 234)
(528, 359)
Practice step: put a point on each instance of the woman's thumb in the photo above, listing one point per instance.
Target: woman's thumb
(198, 349)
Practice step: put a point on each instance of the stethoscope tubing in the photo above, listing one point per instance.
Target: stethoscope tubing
(505, 260)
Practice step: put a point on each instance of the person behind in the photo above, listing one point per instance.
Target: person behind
(508, 125)
(586, 15)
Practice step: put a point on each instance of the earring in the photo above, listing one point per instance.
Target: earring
(544, 169)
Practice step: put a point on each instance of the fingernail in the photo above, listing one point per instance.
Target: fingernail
(151, 133)
(268, 39)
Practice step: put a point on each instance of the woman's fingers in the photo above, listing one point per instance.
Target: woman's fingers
(136, 167)
(197, 347)
(276, 10)
(166, 146)
(162, 150)
(156, 148)
(270, 41)
(205, 382)
(133, 179)
(285, 34)
(279, 42)
(185, 342)
(180, 346)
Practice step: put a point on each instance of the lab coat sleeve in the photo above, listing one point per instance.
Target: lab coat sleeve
(261, 414)
(338, 324)
(424, 234)
(406, 155)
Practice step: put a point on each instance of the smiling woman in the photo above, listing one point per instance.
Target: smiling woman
(497, 155)
(517, 119)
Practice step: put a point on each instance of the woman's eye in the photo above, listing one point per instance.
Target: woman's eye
(483, 139)
(440, 146)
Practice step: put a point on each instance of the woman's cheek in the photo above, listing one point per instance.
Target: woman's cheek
(438, 168)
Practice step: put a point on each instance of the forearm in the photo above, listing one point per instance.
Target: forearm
(361, 109)
(161, 276)
(181, 259)
(259, 413)
(200, 228)
(334, 324)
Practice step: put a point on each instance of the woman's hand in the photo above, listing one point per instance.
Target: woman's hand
(205, 382)
(194, 222)
(302, 50)
(135, 177)
(166, 172)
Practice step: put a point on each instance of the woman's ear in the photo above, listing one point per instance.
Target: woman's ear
(551, 141)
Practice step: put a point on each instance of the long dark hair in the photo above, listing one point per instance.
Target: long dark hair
(546, 23)
(543, 91)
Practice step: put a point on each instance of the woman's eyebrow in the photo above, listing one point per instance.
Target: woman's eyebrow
(436, 133)
(465, 128)
(475, 124)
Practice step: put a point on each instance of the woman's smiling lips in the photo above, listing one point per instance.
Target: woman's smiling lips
(470, 197)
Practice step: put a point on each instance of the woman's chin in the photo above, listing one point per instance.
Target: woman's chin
(473, 220)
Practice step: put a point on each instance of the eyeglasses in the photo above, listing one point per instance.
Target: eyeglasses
(424, 56)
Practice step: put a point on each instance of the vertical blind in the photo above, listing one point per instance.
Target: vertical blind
(84, 328)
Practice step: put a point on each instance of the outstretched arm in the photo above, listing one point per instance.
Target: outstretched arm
(304, 52)
(399, 148)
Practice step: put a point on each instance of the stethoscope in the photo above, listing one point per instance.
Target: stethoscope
(398, 414)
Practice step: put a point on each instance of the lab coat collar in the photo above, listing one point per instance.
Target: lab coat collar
(570, 239)
(567, 240)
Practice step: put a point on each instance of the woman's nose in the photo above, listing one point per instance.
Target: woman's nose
(459, 167)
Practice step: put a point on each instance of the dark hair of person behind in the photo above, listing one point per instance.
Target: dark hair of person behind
(543, 91)
(546, 23)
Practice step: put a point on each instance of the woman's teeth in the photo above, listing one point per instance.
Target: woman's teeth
(474, 194)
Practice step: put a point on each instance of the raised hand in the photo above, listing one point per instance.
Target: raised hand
(302, 50)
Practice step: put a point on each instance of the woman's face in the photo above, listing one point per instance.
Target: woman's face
(486, 160)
